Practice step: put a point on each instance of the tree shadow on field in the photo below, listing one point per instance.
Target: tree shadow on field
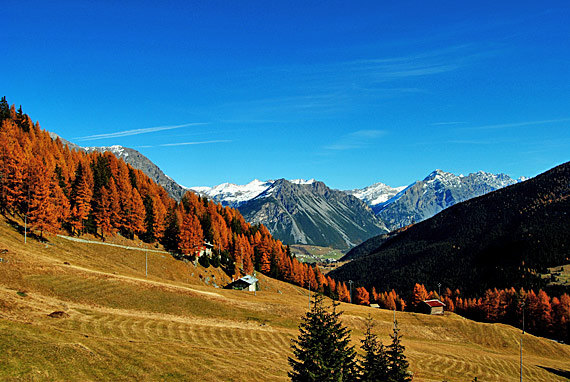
(559, 372)
(21, 230)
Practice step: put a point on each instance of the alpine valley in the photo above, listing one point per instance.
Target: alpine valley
(309, 212)
(302, 211)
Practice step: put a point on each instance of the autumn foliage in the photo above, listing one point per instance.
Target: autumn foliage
(57, 189)
(544, 315)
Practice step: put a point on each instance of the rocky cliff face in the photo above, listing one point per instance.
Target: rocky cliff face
(312, 214)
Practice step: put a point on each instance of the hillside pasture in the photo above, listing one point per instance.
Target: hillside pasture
(174, 325)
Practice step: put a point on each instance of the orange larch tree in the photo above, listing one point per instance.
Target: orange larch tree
(41, 213)
(418, 295)
(191, 235)
(361, 296)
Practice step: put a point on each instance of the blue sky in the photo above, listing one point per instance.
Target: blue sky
(350, 93)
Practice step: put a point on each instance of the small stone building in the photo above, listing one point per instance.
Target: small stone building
(245, 283)
(434, 306)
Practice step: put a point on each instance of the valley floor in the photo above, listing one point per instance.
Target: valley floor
(118, 325)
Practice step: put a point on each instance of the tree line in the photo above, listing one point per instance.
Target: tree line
(544, 315)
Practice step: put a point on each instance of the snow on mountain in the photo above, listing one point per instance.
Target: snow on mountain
(376, 194)
(438, 191)
(302, 181)
(230, 194)
(233, 195)
(119, 151)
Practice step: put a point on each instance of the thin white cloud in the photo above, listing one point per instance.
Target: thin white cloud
(356, 140)
(516, 124)
(126, 133)
(446, 123)
(195, 143)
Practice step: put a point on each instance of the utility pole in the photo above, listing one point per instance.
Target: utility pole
(350, 282)
(26, 219)
(521, 366)
(309, 295)
(439, 290)
(146, 262)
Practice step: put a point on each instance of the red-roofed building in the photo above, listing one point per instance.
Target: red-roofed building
(434, 306)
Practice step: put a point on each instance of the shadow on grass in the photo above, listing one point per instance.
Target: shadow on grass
(21, 230)
(559, 372)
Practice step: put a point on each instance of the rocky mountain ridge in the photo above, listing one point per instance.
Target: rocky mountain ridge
(312, 213)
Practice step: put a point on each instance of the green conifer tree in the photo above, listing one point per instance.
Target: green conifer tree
(398, 365)
(374, 361)
(322, 351)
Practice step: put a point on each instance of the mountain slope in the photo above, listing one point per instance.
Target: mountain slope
(135, 159)
(312, 213)
(502, 239)
(140, 162)
(438, 191)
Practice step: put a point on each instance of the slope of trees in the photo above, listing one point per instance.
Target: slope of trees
(504, 239)
(61, 190)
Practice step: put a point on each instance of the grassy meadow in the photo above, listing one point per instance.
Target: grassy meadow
(175, 325)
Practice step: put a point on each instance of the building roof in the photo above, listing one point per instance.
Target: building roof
(249, 279)
(435, 303)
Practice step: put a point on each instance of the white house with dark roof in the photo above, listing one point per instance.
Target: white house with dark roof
(247, 282)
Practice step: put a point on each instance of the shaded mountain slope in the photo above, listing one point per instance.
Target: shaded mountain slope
(312, 214)
(502, 239)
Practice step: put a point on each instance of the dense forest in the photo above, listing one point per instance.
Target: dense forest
(56, 189)
(508, 238)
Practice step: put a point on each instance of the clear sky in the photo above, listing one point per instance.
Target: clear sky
(347, 92)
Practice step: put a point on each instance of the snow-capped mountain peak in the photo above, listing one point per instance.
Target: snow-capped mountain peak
(303, 181)
(234, 194)
(118, 150)
(376, 194)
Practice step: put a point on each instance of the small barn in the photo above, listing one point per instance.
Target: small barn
(434, 306)
(245, 283)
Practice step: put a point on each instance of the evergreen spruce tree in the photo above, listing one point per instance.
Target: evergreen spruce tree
(374, 362)
(398, 365)
(322, 351)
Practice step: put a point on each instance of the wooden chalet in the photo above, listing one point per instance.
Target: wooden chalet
(248, 283)
(434, 306)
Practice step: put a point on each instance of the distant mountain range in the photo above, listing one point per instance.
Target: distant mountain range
(438, 191)
(390, 208)
(504, 239)
(309, 212)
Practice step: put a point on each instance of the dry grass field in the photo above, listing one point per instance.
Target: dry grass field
(118, 325)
